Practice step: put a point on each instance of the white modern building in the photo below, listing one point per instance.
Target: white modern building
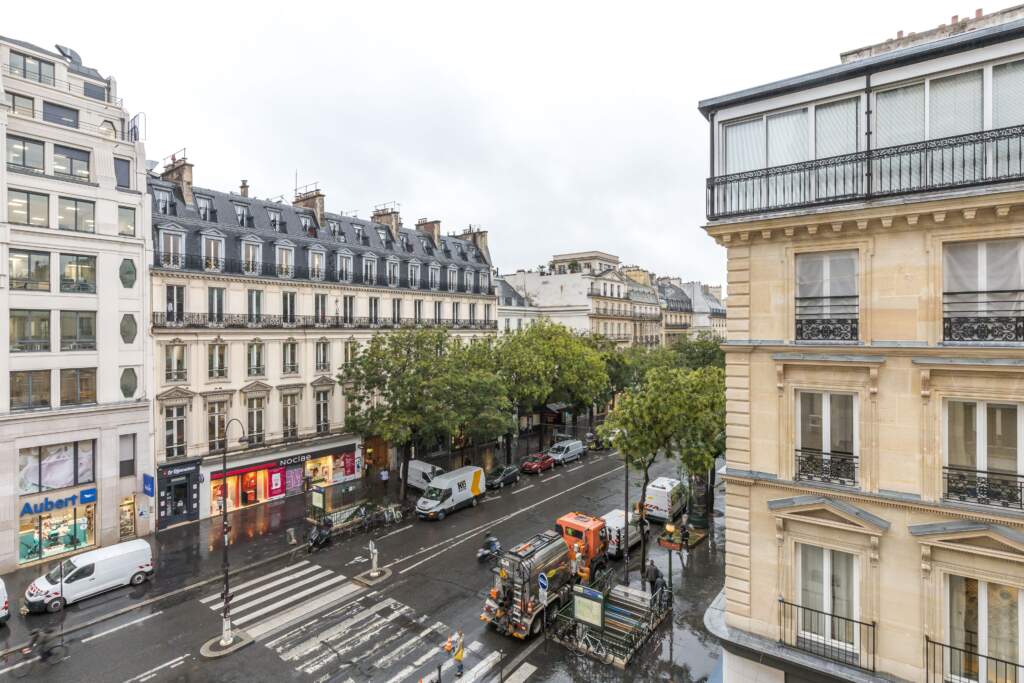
(76, 467)
(515, 311)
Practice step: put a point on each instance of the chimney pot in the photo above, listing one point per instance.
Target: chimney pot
(243, 189)
(179, 171)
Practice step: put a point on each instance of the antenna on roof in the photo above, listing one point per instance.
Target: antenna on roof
(172, 158)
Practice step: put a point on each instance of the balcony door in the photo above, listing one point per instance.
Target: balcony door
(985, 627)
(828, 598)
(983, 291)
(826, 305)
(983, 455)
(826, 448)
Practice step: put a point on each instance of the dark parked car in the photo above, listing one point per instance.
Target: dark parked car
(501, 476)
(537, 463)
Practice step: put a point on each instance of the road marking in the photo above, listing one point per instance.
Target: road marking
(521, 674)
(396, 531)
(483, 667)
(118, 628)
(398, 654)
(448, 542)
(260, 598)
(291, 567)
(573, 469)
(291, 598)
(15, 666)
(553, 477)
(348, 645)
(303, 610)
(313, 643)
(522, 489)
(239, 597)
(146, 675)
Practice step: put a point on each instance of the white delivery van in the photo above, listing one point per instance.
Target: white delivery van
(665, 500)
(615, 522)
(89, 573)
(5, 610)
(566, 451)
(421, 473)
(449, 492)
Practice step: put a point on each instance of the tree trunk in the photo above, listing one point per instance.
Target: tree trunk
(508, 448)
(643, 519)
(575, 419)
(697, 507)
(406, 451)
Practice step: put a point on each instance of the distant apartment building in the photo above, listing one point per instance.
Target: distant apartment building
(588, 262)
(647, 313)
(257, 306)
(676, 311)
(708, 309)
(74, 412)
(873, 215)
(515, 311)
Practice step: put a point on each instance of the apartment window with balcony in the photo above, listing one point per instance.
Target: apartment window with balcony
(455, 312)
(392, 267)
(216, 425)
(316, 265)
(414, 275)
(437, 312)
(285, 262)
(826, 448)
(76, 214)
(348, 307)
(30, 331)
(396, 310)
(374, 310)
(289, 410)
(26, 154)
(204, 206)
(78, 330)
(323, 356)
(174, 363)
(70, 162)
(369, 270)
(435, 277)
(29, 270)
(254, 412)
(30, 389)
(320, 309)
(825, 620)
(983, 291)
(983, 455)
(78, 273)
(251, 257)
(174, 431)
(351, 351)
(217, 361)
(452, 277)
(243, 216)
(122, 173)
(322, 401)
(254, 357)
(289, 358)
(288, 308)
(215, 305)
(28, 208)
(254, 311)
(31, 68)
(472, 313)
(19, 104)
(126, 221)
(163, 202)
(172, 249)
(487, 313)
(175, 297)
(826, 306)
(77, 386)
(62, 116)
(417, 311)
(213, 253)
(986, 640)
(344, 267)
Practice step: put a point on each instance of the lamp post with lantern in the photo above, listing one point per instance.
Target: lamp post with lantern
(227, 637)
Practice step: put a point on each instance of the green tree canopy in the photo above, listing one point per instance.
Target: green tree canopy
(702, 351)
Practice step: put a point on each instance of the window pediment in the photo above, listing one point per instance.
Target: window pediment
(212, 232)
(285, 243)
(175, 396)
(256, 387)
(172, 227)
(977, 538)
(323, 381)
(825, 511)
(252, 238)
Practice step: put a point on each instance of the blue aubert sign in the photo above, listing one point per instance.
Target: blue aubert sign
(48, 504)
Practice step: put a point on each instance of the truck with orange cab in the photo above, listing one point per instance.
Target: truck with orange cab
(587, 540)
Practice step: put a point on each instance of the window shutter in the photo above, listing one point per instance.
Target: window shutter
(955, 105)
(787, 138)
(1008, 94)
(835, 128)
(744, 146)
(900, 116)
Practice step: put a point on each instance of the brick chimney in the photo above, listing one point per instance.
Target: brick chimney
(432, 228)
(312, 199)
(479, 239)
(243, 189)
(179, 172)
(388, 215)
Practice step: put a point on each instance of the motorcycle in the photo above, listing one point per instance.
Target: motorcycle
(490, 550)
(320, 536)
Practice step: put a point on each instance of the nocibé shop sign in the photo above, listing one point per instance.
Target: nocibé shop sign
(269, 465)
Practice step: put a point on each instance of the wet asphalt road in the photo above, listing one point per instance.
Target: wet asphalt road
(436, 585)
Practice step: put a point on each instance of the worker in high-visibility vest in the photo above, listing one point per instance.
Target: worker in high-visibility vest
(458, 652)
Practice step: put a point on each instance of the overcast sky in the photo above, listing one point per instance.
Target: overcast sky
(558, 126)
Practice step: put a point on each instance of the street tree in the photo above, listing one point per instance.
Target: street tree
(480, 401)
(580, 378)
(701, 435)
(526, 365)
(398, 387)
(702, 351)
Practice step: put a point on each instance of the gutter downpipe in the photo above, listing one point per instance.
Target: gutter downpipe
(868, 111)
(711, 160)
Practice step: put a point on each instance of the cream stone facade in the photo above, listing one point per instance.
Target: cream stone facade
(875, 374)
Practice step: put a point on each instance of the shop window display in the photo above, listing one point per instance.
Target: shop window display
(55, 467)
(56, 532)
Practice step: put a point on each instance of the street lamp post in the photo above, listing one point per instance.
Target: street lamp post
(625, 541)
(226, 635)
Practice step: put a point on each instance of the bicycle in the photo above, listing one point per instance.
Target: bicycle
(589, 644)
(30, 661)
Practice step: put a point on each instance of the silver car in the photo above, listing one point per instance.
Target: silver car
(566, 451)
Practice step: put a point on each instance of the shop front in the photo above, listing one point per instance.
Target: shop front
(56, 523)
(178, 493)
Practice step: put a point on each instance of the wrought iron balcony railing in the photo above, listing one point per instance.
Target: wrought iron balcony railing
(992, 316)
(175, 375)
(827, 318)
(829, 468)
(945, 663)
(839, 639)
(266, 321)
(998, 489)
(991, 156)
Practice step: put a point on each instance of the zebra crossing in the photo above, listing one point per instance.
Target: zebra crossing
(332, 629)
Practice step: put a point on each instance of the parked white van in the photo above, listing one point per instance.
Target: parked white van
(90, 573)
(664, 501)
(615, 522)
(449, 492)
(421, 474)
(566, 451)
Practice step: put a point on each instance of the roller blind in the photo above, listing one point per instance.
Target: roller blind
(899, 116)
(787, 138)
(836, 127)
(955, 105)
(744, 146)
(1008, 94)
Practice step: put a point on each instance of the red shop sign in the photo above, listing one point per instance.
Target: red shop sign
(218, 474)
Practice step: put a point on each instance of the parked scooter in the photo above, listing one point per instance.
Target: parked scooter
(320, 536)
(490, 550)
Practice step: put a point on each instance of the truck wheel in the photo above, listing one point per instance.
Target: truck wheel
(138, 578)
(535, 626)
(440, 515)
(55, 605)
(476, 501)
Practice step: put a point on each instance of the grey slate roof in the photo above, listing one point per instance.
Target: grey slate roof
(962, 525)
(674, 297)
(839, 505)
(508, 295)
(703, 301)
(463, 254)
(962, 42)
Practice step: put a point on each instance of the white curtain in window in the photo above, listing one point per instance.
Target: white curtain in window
(787, 138)
(1008, 94)
(1003, 628)
(841, 423)
(962, 434)
(899, 116)
(744, 146)
(810, 421)
(836, 127)
(955, 105)
(812, 587)
(842, 596)
(993, 269)
(961, 265)
(826, 283)
(963, 616)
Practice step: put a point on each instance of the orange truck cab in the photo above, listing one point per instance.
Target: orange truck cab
(588, 535)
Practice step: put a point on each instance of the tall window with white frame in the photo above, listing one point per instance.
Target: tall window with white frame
(320, 309)
(323, 356)
(374, 310)
(288, 308)
(213, 253)
(175, 297)
(344, 267)
(215, 305)
(252, 258)
(827, 589)
(985, 635)
(285, 262)
(417, 311)
(316, 265)
(174, 431)
(983, 291)
(984, 464)
(255, 413)
(217, 357)
(254, 298)
(438, 312)
(826, 448)
(396, 311)
(323, 413)
(216, 425)
(826, 305)
(369, 270)
(174, 363)
(414, 275)
(254, 354)
(348, 308)
(289, 416)
(392, 273)
(289, 359)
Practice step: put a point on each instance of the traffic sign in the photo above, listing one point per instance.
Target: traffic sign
(542, 581)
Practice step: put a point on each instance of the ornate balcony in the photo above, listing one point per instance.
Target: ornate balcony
(839, 639)
(992, 316)
(828, 468)
(827, 318)
(998, 489)
(265, 321)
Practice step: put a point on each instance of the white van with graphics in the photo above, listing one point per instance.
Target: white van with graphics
(449, 492)
(90, 573)
(664, 500)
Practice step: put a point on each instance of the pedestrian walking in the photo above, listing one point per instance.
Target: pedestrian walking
(385, 475)
(455, 646)
(651, 574)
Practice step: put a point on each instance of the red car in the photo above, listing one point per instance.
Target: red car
(537, 463)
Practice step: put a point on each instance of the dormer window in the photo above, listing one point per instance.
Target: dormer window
(383, 235)
(404, 239)
(163, 203)
(308, 224)
(204, 205)
(316, 265)
(243, 216)
(172, 247)
(285, 261)
(435, 276)
(484, 281)
(251, 257)
(414, 274)
(213, 252)
(392, 273)
(452, 277)
(276, 222)
(369, 269)
(345, 267)
(335, 228)
(360, 237)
